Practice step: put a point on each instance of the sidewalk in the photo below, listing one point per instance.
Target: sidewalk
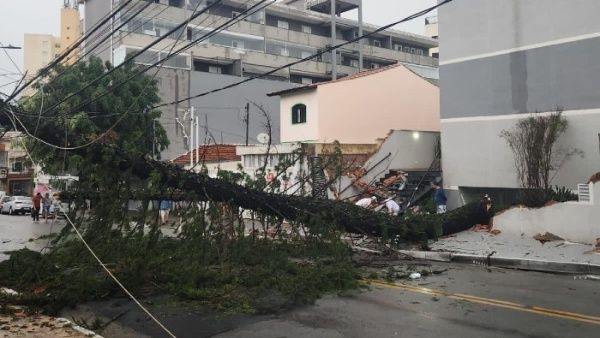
(519, 252)
(521, 247)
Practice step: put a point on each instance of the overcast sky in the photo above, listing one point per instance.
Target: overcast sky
(43, 16)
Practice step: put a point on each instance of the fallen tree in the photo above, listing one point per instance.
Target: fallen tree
(175, 183)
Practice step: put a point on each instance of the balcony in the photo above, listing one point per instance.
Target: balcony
(324, 6)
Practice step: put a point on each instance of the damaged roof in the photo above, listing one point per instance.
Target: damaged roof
(211, 153)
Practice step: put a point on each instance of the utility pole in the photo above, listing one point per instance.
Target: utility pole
(192, 137)
(247, 120)
(154, 139)
(197, 140)
(333, 41)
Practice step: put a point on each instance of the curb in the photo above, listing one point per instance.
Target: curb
(506, 262)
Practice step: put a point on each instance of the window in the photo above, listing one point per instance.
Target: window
(68, 27)
(376, 43)
(299, 114)
(17, 167)
(283, 24)
(398, 47)
(306, 80)
(237, 44)
(215, 69)
(284, 52)
(304, 54)
(419, 52)
(306, 29)
(413, 51)
(354, 63)
(406, 49)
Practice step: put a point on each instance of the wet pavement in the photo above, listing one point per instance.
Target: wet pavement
(462, 301)
(19, 231)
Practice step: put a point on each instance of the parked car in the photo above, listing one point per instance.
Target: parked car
(17, 205)
(4, 199)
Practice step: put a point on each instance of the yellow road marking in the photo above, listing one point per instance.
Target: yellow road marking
(494, 302)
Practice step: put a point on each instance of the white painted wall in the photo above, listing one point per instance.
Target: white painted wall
(573, 221)
(303, 132)
(474, 154)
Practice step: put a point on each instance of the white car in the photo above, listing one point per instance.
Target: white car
(17, 205)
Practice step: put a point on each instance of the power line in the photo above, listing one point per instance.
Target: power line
(12, 60)
(93, 47)
(114, 278)
(94, 44)
(310, 57)
(67, 52)
(132, 57)
(14, 117)
(227, 24)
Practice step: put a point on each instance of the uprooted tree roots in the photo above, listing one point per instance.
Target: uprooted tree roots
(238, 249)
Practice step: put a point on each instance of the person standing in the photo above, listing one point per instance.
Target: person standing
(46, 203)
(270, 177)
(439, 198)
(165, 209)
(36, 202)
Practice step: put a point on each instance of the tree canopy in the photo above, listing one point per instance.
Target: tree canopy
(122, 117)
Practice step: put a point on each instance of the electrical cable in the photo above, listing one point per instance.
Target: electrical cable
(132, 57)
(310, 57)
(114, 278)
(103, 40)
(12, 60)
(118, 120)
(215, 31)
(68, 51)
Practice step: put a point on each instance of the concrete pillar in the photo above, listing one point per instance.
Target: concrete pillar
(333, 41)
(360, 33)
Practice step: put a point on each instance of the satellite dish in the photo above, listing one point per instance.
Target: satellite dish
(263, 138)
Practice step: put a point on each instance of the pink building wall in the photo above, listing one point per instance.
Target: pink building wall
(364, 109)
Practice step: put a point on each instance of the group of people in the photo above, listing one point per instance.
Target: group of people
(43, 204)
(393, 208)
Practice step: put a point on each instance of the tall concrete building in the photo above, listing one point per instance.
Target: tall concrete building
(70, 29)
(501, 61)
(272, 37)
(40, 49)
(432, 31)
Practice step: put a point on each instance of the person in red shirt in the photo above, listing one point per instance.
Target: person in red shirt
(37, 205)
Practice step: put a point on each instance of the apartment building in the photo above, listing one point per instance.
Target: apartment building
(432, 31)
(269, 38)
(502, 61)
(40, 49)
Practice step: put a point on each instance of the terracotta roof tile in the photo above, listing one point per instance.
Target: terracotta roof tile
(211, 153)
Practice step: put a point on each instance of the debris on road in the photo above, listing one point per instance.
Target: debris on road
(20, 324)
(415, 275)
(547, 237)
(588, 277)
(9, 292)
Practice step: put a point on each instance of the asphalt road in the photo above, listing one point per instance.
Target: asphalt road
(19, 231)
(463, 301)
